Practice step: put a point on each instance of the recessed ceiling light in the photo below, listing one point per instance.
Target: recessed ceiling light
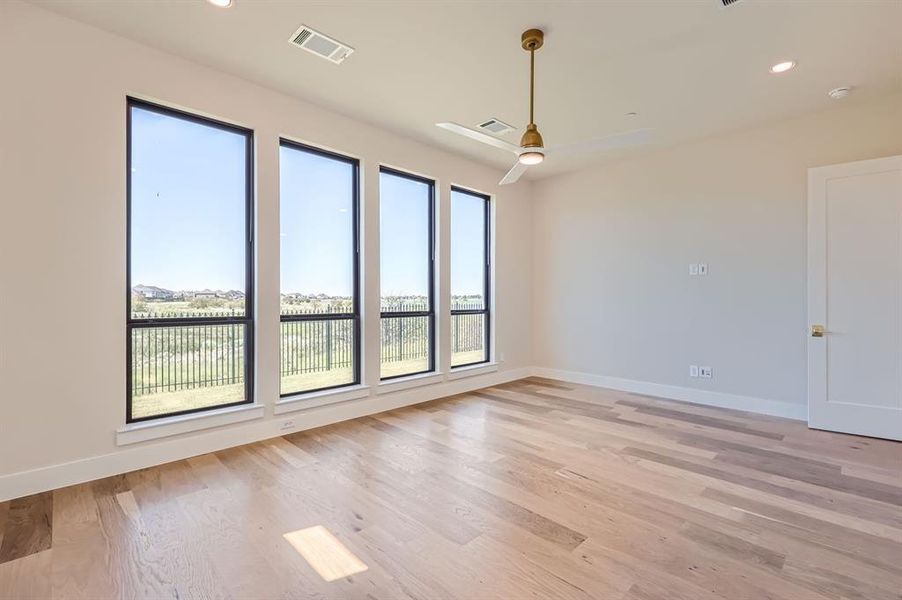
(782, 67)
(221, 3)
(632, 114)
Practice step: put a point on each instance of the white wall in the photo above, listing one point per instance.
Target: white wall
(613, 302)
(62, 244)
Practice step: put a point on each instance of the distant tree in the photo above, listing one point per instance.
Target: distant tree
(206, 302)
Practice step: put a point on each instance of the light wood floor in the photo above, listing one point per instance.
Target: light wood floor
(533, 489)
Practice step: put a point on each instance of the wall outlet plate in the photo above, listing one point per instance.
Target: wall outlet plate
(703, 268)
(706, 372)
(693, 269)
(693, 370)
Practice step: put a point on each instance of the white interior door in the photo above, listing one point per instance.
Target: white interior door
(855, 297)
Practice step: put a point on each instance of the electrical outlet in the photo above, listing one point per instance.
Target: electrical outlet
(706, 372)
(693, 269)
(693, 370)
(703, 268)
(287, 424)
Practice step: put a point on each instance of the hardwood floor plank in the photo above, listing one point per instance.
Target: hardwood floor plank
(29, 527)
(137, 568)
(734, 547)
(829, 477)
(436, 510)
(548, 383)
(4, 513)
(27, 578)
(714, 422)
(869, 548)
(753, 480)
(739, 482)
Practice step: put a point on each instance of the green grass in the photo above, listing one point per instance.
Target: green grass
(466, 358)
(403, 367)
(151, 405)
(316, 380)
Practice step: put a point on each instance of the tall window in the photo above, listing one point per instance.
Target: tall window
(190, 247)
(406, 217)
(470, 277)
(320, 339)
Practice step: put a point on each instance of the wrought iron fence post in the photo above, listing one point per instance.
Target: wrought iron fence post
(328, 345)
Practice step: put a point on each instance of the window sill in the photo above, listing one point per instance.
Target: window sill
(322, 398)
(135, 433)
(405, 383)
(472, 370)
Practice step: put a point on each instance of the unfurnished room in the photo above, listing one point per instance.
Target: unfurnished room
(451, 299)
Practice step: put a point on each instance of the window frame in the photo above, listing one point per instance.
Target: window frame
(355, 314)
(247, 319)
(430, 312)
(487, 276)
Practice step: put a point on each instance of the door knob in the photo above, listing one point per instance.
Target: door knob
(817, 331)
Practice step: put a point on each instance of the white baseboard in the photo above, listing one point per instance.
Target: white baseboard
(171, 449)
(776, 408)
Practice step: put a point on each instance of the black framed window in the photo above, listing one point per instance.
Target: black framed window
(407, 273)
(470, 277)
(320, 310)
(189, 263)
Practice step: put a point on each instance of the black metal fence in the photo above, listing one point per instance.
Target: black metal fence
(176, 358)
(171, 359)
(313, 346)
(404, 338)
(467, 333)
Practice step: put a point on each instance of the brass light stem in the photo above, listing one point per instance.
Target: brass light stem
(532, 81)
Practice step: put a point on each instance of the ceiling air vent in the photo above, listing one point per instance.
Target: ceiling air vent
(726, 3)
(319, 44)
(495, 126)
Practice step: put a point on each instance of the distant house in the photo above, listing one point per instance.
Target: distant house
(234, 295)
(152, 292)
(206, 294)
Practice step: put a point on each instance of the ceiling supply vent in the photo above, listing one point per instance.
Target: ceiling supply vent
(320, 44)
(496, 126)
(726, 3)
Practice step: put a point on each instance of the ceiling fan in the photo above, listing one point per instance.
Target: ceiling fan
(532, 150)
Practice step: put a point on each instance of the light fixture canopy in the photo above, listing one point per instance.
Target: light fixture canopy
(221, 3)
(782, 67)
(532, 157)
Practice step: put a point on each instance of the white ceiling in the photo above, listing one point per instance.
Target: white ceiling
(691, 69)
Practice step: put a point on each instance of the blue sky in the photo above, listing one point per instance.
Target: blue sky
(467, 244)
(316, 214)
(188, 217)
(187, 204)
(403, 236)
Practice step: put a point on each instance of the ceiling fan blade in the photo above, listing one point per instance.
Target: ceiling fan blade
(480, 137)
(514, 174)
(610, 142)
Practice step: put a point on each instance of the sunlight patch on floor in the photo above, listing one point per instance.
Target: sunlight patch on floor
(325, 553)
